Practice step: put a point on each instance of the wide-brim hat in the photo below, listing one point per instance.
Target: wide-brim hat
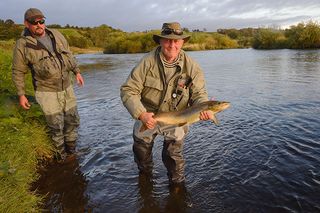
(171, 31)
(33, 13)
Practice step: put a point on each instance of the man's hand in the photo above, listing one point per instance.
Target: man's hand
(148, 120)
(80, 80)
(24, 102)
(206, 115)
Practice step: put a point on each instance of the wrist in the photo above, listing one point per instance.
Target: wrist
(76, 71)
(141, 116)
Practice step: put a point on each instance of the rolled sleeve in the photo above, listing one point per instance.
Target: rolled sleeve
(76, 70)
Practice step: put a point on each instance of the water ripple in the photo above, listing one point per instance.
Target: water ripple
(263, 157)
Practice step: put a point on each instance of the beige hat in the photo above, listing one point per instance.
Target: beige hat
(171, 31)
(32, 13)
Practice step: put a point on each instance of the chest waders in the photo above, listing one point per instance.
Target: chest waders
(172, 152)
(59, 108)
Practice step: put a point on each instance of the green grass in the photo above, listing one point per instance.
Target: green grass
(24, 143)
(70, 32)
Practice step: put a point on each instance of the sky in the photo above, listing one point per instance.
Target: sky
(141, 15)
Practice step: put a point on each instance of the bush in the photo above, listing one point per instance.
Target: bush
(269, 39)
(9, 30)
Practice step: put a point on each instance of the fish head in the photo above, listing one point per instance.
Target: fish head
(218, 106)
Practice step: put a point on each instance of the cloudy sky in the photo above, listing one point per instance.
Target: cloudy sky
(140, 15)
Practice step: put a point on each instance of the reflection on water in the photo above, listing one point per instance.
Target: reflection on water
(148, 201)
(64, 186)
(263, 157)
(178, 199)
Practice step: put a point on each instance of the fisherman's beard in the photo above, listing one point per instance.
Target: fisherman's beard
(39, 31)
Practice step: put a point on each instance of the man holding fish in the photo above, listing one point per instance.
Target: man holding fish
(165, 80)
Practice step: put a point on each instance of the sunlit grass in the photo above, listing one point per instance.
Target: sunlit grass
(70, 32)
(23, 143)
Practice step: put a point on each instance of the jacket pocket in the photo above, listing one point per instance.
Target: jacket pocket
(152, 91)
(68, 59)
(46, 67)
(183, 100)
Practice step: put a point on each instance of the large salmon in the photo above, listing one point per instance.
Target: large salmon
(189, 115)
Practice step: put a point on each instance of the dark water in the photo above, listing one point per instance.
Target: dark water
(264, 156)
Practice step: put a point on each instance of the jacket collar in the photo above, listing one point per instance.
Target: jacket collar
(27, 34)
(181, 57)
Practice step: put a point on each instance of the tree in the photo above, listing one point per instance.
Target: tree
(57, 26)
(185, 29)
(9, 30)
(304, 35)
(9, 22)
(269, 39)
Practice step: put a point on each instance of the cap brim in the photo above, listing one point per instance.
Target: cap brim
(157, 38)
(35, 17)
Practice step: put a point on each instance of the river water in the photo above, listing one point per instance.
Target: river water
(263, 157)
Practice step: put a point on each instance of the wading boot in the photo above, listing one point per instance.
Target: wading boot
(173, 160)
(61, 156)
(70, 147)
(179, 193)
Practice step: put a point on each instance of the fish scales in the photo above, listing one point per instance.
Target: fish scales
(190, 115)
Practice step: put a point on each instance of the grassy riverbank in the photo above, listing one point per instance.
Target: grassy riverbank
(23, 142)
(77, 50)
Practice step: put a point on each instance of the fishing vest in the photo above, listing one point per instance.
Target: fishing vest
(50, 70)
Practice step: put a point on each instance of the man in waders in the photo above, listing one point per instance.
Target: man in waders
(166, 79)
(46, 53)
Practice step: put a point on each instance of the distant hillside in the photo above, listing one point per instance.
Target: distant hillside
(302, 36)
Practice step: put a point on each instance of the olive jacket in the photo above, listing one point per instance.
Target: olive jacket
(50, 70)
(147, 90)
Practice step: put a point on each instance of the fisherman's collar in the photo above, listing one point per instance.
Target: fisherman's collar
(178, 62)
(27, 34)
(169, 64)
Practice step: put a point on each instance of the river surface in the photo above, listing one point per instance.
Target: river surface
(263, 157)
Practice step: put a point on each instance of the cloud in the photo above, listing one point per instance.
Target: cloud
(139, 15)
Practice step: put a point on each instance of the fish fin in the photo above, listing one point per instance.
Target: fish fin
(182, 124)
(215, 120)
(143, 128)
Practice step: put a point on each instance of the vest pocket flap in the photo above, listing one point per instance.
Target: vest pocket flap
(153, 83)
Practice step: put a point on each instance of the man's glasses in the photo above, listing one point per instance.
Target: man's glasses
(168, 31)
(42, 21)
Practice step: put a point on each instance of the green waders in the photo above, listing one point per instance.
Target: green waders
(60, 110)
(172, 152)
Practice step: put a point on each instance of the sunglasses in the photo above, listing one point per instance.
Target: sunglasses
(168, 31)
(42, 21)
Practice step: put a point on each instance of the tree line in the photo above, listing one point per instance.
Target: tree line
(9, 30)
(300, 36)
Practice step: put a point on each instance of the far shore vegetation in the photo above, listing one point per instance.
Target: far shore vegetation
(24, 144)
(305, 35)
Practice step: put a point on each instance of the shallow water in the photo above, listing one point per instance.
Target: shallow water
(263, 157)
